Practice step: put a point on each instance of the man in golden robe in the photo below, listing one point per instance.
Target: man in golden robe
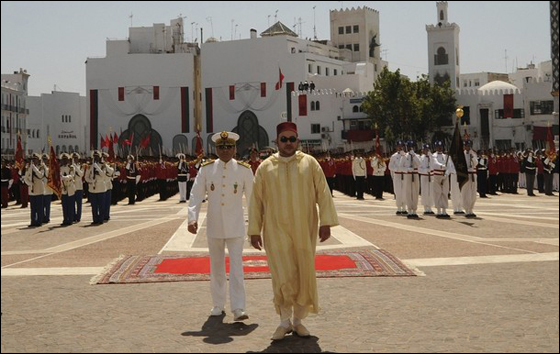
(288, 187)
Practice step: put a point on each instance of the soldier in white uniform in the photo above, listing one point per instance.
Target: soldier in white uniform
(409, 165)
(67, 176)
(47, 192)
(34, 179)
(398, 177)
(468, 192)
(359, 172)
(95, 177)
(441, 167)
(79, 195)
(224, 181)
(425, 173)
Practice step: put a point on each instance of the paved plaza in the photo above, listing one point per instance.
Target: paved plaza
(489, 284)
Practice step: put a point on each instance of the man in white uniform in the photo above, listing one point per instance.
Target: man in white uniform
(398, 178)
(225, 181)
(425, 173)
(468, 192)
(441, 167)
(409, 165)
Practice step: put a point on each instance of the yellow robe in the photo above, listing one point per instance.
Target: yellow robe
(283, 205)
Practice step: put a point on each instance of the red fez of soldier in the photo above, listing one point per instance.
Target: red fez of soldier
(286, 126)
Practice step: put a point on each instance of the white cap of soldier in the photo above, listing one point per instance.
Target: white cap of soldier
(225, 139)
(180, 156)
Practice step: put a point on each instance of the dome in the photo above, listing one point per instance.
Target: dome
(498, 85)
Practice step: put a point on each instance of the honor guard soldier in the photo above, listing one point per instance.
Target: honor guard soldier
(182, 177)
(359, 172)
(95, 177)
(482, 175)
(530, 172)
(469, 189)
(6, 183)
(131, 179)
(109, 175)
(254, 160)
(440, 167)
(79, 184)
(34, 179)
(224, 181)
(67, 176)
(410, 163)
(425, 172)
(398, 178)
(47, 192)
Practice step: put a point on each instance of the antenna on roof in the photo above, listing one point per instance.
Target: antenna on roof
(314, 24)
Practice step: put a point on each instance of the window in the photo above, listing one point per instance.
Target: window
(317, 106)
(356, 29)
(357, 47)
(355, 109)
(335, 72)
(327, 71)
(441, 57)
(348, 29)
(310, 68)
(312, 105)
(315, 128)
(517, 113)
(541, 107)
(349, 46)
(341, 30)
(69, 119)
(466, 118)
(318, 70)
(341, 46)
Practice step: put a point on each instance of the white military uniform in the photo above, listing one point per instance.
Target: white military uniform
(441, 167)
(398, 179)
(468, 192)
(225, 184)
(409, 164)
(425, 179)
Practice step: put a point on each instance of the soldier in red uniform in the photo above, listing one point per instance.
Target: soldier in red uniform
(254, 160)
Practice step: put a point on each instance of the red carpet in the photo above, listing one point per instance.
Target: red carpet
(148, 269)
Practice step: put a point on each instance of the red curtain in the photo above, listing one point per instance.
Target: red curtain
(508, 106)
(263, 89)
(232, 92)
(156, 92)
(303, 105)
(121, 93)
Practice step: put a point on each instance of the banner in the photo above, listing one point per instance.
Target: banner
(457, 155)
(53, 180)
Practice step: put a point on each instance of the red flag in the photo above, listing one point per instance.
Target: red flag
(115, 138)
(129, 141)
(280, 80)
(111, 157)
(377, 143)
(19, 153)
(53, 179)
(108, 141)
(550, 147)
(145, 142)
(199, 150)
(103, 142)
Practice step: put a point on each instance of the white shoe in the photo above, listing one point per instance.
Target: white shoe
(240, 315)
(216, 311)
(281, 332)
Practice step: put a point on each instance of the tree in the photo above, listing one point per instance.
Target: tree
(408, 109)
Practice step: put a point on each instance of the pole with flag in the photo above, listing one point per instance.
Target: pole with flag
(456, 152)
(19, 153)
(53, 180)
(550, 146)
(278, 85)
(377, 141)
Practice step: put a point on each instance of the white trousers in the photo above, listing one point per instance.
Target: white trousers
(398, 188)
(440, 191)
(456, 197)
(182, 191)
(469, 194)
(555, 182)
(427, 196)
(412, 191)
(300, 312)
(218, 288)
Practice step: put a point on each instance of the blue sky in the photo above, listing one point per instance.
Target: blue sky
(52, 40)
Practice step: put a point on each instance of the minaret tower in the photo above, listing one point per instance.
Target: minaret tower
(443, 49)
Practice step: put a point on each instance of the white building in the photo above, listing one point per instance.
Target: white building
(60, 116)
(154, 84)
(14, 111)
(501, 110)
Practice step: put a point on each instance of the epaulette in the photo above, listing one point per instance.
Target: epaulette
(244, 164)
(207, 163)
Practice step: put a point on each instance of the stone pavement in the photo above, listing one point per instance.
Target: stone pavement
(491, 285)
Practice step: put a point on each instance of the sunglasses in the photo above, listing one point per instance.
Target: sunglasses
(225, 147)
(291, 139)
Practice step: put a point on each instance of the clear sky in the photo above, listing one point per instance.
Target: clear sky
(52, 40)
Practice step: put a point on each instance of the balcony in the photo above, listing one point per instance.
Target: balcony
(358, 136)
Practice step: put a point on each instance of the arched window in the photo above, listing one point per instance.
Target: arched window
(312, 105)
(441, 16)
(181, 144)
(355, 109)
(317, 106)
(441, 58)
(76, 149)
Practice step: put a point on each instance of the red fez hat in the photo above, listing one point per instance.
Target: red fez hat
(286, 126)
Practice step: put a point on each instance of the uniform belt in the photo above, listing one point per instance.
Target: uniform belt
(5, 180)
(425, 174)
(530, 168)
(472, 173)
(131, 177)
(400, 173)
(180, 174)
(439, 173)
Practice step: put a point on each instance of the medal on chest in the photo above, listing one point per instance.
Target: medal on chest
(212, 187)
(235, 188)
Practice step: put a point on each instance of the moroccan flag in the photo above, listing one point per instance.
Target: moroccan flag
(129, 141)
(550, 146)
(103, 142)
(457, 155)
(53, 179)
(145, 142)
(19, 153)
(111, 157)
(199, 150)
(377, 143)
(280, 80)
(115, 138)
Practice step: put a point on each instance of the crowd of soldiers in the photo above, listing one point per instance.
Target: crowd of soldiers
(429, 174)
